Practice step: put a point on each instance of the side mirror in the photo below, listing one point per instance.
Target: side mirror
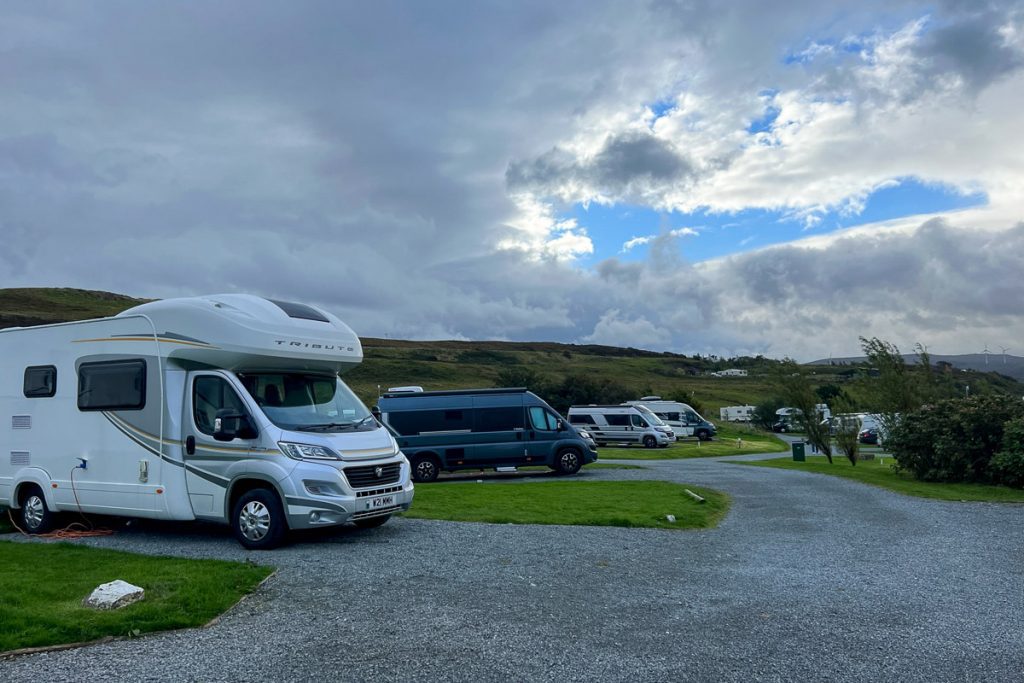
(560, 426)
(229, 425)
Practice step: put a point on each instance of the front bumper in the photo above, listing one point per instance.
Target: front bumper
(340, 503)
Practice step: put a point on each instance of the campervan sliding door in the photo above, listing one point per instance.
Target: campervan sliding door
(498, 428)
(209, 462)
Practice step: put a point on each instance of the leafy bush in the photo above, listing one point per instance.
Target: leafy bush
(582, 390)
(1008, 464)
(955, 440)
(764, 415)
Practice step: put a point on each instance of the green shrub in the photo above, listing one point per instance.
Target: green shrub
(954, 440)
(1008, 464)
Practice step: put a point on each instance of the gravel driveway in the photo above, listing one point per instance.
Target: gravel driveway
(807, 578)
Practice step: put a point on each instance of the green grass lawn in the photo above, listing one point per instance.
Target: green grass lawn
(42, 586)
(583, 503)
(879, 472)
(730, 441)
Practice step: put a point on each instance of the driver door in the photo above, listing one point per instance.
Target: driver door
(207, 460)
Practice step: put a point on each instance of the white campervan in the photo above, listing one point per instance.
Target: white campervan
(684, 420)
(226, 408)
(621, 424)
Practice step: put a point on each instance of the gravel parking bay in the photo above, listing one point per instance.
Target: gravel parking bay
(807, 578)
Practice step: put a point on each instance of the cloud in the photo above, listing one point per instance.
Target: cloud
(361, 159)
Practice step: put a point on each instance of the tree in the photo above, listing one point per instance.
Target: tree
(847, 429)
(764, 415)
(582, 390)
(517, 376)
(796, 390)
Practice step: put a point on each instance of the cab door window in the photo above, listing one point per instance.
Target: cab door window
(543, 420)
(638, 421)
(210, 394)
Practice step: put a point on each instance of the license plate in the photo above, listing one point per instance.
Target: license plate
(380, 502)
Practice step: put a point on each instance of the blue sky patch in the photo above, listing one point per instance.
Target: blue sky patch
(722, 234)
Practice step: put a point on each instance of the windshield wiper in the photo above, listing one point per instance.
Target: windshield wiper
(333, 426)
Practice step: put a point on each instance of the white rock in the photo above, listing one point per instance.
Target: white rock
(671, 518)
(114, 595)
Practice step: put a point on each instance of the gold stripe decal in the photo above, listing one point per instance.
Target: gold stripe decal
(162, 340)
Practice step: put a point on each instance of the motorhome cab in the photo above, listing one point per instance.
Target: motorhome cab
(622, 424)
(684, 420)
(226, 408)
(482, 429)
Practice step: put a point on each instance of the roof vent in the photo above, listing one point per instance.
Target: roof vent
(301, 311)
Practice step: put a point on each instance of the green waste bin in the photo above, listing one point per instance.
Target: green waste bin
(798, 451)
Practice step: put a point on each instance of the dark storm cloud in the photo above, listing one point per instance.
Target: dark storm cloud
(972, 48)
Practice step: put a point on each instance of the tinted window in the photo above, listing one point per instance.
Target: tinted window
(412, 422)
(115, 385)
(669, 416)
(578, 419)
(301, 311)
(210, 394)
(692, 417)
(498, 419)
(617, 420)
(40, 381)
(638, 421)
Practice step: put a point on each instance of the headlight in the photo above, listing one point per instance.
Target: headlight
(584, 434)
(305, 451)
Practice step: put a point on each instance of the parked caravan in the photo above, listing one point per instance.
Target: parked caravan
(622, 424)
(482, 429)
(684, 420)
(226, 408)
(736, 413)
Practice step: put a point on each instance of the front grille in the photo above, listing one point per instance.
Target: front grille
(378, 492)
(362, 477)
(376, 513)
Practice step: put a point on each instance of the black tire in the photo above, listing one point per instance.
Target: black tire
(258, 520)
(425, 468)
(568, 461)
(650, 442)
(372, 522)
(703, 435)
(36, 516)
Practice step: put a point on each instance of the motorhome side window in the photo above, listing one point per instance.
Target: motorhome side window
(669, 416)
(112, 385)
(413, 422)
(498, 419)
(617, 420)
(580, 419)
(40, 381)
(210, 394)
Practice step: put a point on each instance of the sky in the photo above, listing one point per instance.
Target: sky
(733, 178)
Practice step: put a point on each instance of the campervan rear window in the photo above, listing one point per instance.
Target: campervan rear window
(581, 419)
(412, 422)
(40, 381)
(112, 385)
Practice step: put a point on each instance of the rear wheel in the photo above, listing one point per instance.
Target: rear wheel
(36, 518)
(425, 468)
(567, 461)
(650, 442)
(372, 522)
(258, 520)
(703, 435)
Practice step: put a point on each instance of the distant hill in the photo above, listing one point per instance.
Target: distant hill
(1011, 366)
(473, 364)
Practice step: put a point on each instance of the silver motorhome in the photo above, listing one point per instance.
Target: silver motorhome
(621, 424)
(226, 408)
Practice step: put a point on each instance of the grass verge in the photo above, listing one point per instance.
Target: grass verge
(583, 503)
(730, 441)
(43, 605)
(876, 473)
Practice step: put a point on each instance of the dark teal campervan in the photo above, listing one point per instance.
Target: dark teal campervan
(482, 429)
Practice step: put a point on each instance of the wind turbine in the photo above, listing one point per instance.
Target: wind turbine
(986, 352)
(1005, 349)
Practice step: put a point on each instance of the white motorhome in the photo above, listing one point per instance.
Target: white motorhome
(226, 408)
(736, 413)
(684, 420)
(621, 424)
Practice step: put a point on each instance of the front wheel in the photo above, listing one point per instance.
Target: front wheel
(568, 462)
(650, 442)
(35, 516)
(425, 468)
(258, 520)
(704, 435)
(372, 522)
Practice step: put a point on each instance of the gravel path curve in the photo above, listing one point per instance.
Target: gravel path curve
(808, 578)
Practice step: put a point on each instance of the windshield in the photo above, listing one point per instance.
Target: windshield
(305, 402)
(650, 416)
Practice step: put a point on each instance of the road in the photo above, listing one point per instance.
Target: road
(807, 578)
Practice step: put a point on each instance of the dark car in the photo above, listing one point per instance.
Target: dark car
(869, 436)
(782, 426)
